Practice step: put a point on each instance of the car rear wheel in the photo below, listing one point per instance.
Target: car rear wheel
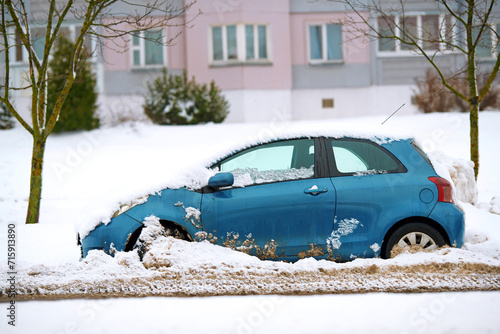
(414, 235)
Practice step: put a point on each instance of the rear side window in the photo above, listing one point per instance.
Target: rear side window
(360, 157)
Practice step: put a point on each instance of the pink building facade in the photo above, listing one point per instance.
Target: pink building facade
(278, 59)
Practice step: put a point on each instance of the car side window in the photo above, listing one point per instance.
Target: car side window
(272, 162)
(359, 157)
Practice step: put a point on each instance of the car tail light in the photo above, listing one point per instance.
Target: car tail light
(445, 191)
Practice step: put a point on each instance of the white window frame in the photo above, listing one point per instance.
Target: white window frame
(142, 51)
(398, 51)
(324, 43)
(241, 47)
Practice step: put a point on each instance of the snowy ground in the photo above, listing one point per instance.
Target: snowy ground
(109, 163)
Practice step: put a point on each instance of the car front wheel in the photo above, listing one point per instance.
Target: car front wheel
(166, 229)
(418, 236)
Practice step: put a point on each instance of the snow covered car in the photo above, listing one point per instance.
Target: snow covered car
(290, 197)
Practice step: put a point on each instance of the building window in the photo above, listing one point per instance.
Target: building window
(20, 55)
(256, 41)
(325, 43)
(488, 45)
(38, 41)
(218, 53)
(240, 43)
(431, 32)
(483, 49)
(386, 28)
(148, 49)
(38, 35)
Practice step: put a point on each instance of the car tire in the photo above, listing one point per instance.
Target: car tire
(413, 234)
(168, 231)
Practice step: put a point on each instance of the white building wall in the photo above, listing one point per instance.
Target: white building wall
(270, 105)
(258, 105)
(351, 102)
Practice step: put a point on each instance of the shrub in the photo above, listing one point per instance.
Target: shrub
(6, 118)
(489, 101)
(432, 95)
(174, 100)
(79, 109)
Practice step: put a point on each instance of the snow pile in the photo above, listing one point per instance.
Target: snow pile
(173, 267)
(493, 206)
(151, 235)
(459, 172)
(482, 231)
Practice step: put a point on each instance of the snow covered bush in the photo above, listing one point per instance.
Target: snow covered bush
(6, 118)
(175, 100)
(80, 107)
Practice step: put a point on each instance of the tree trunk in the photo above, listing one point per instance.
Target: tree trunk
(474, 134)
(36, 181)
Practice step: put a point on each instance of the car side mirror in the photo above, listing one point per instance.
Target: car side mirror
(223, 179)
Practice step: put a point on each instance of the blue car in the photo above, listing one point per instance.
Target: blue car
(295, 197)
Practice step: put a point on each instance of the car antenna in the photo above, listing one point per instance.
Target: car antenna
(393, 113)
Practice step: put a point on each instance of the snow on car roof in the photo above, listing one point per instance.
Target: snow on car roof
(375, 133)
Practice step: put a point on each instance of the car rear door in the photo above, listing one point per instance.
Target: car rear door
(281, 204)
(363, 175)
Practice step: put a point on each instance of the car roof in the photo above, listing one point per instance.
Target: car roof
(274, 133)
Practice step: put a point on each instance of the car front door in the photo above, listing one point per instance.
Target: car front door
(282, 203)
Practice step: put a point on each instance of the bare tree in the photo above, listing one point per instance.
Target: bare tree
(102, 20)
(466, 27)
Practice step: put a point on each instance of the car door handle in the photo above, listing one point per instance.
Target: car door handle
(315, 191)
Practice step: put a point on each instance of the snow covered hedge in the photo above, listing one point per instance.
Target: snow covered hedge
(176, 100)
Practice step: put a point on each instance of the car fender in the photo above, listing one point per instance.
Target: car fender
(452, 220)
(110, 237)
(180, 206)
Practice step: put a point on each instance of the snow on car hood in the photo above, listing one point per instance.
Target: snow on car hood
(101, 209)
